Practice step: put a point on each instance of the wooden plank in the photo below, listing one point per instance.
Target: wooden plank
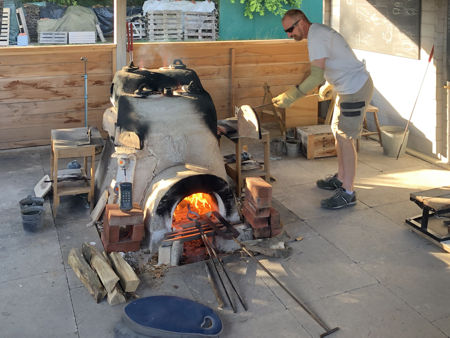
(43, 93)
(56, 82)
(128, 278)
(53, 69)
(23, 109)
(86, 275)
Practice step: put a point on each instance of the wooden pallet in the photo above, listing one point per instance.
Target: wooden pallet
(164, 25)
(4, 27)
(200, 26)
(53, 37)
(82, 37)
(139, 30)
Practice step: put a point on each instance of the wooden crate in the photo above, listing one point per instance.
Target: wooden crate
(53, 37)
(164, 25)
(200, 26)
(4, 27)
(316, 141)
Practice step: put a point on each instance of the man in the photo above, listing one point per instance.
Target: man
(332, 59)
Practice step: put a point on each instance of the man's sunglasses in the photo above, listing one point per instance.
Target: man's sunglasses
(290, 29)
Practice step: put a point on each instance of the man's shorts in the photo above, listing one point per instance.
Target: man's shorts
(350, 110)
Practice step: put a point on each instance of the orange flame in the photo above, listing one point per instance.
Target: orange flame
(200, 202)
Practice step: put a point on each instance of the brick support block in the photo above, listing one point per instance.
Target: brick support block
(116, 216)
(255, 222)
(258, 188)
(258, 202)
(258, 212)
(261, 232)
(124, 246)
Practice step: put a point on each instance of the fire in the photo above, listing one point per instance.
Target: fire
(200, 202)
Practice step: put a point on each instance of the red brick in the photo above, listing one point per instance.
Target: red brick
(258, 188)
(138, 232)
(258, 212)
(255, 222)
(276, 232)
(111, 233)
(258, 202)
(124, 246)
(261, 232)
(119, 217)
(275, 222)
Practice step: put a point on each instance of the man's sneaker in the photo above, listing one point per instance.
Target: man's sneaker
(340, 199)
(329, 183)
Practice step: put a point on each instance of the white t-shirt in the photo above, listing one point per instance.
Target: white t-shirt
(342, 69)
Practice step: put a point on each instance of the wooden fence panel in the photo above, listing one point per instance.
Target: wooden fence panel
(42, 88)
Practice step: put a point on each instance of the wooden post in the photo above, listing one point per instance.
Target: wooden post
(232, 71)
(120, 14)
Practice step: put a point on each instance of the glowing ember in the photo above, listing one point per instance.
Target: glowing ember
(201, 203)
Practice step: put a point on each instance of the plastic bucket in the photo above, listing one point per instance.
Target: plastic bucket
(292, 147)
(277, 147)
(392, 137)
(32, 211)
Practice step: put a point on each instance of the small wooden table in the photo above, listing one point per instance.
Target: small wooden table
(234, 170)
(433, 202)
(70, 143)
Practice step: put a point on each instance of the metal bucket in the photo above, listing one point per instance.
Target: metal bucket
(32, 211)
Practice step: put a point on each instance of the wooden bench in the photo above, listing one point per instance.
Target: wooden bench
(433, 202)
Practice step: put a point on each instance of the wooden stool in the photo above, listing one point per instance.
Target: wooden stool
(234, 170)
(66, 144)
(365, 132)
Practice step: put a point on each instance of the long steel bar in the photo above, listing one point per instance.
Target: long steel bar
(328, 330)
(205, 240)
(213, 283)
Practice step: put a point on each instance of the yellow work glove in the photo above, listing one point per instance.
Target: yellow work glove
(285, 99)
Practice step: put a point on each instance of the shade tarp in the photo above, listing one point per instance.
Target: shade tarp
(75, 19)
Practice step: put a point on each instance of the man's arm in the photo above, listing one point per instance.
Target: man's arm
(285, 99)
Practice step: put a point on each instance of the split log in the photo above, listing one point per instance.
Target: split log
(128, 278)
(116, 296)
(104, 271)
(86, 275)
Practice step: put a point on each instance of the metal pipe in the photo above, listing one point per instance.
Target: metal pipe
(85, 59)
(213, 283)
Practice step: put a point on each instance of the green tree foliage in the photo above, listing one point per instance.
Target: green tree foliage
(277, 7)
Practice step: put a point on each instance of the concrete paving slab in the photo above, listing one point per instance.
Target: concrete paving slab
(419, 277)
(366, 235)
(277, 324)
(371, 311)
(38, 305)
(444, 325)
(317, 269)
(28, 254)
(304, 201)
(398, 212)
(94, 320)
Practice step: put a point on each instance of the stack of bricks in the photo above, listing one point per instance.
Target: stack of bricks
(257, 208)
(122, 230)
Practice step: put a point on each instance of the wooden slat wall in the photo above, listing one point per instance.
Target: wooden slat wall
(42, 88)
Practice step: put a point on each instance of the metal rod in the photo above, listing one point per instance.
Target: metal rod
(85, 59)
(211, 259)
(213, 283)
(415, 102)
(328, 331)
(228, 277)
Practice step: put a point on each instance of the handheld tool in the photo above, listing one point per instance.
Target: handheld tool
(327, 329)
(414, 107)
(129, 26)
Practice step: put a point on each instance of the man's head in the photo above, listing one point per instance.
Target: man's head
(296, 24)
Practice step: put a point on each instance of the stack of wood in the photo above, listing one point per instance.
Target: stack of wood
(32, 13)
(103, 274)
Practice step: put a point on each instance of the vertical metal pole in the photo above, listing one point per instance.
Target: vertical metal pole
(448, 120)
(84, 58)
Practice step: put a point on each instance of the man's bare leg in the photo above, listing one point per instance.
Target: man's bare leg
(347, 158)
